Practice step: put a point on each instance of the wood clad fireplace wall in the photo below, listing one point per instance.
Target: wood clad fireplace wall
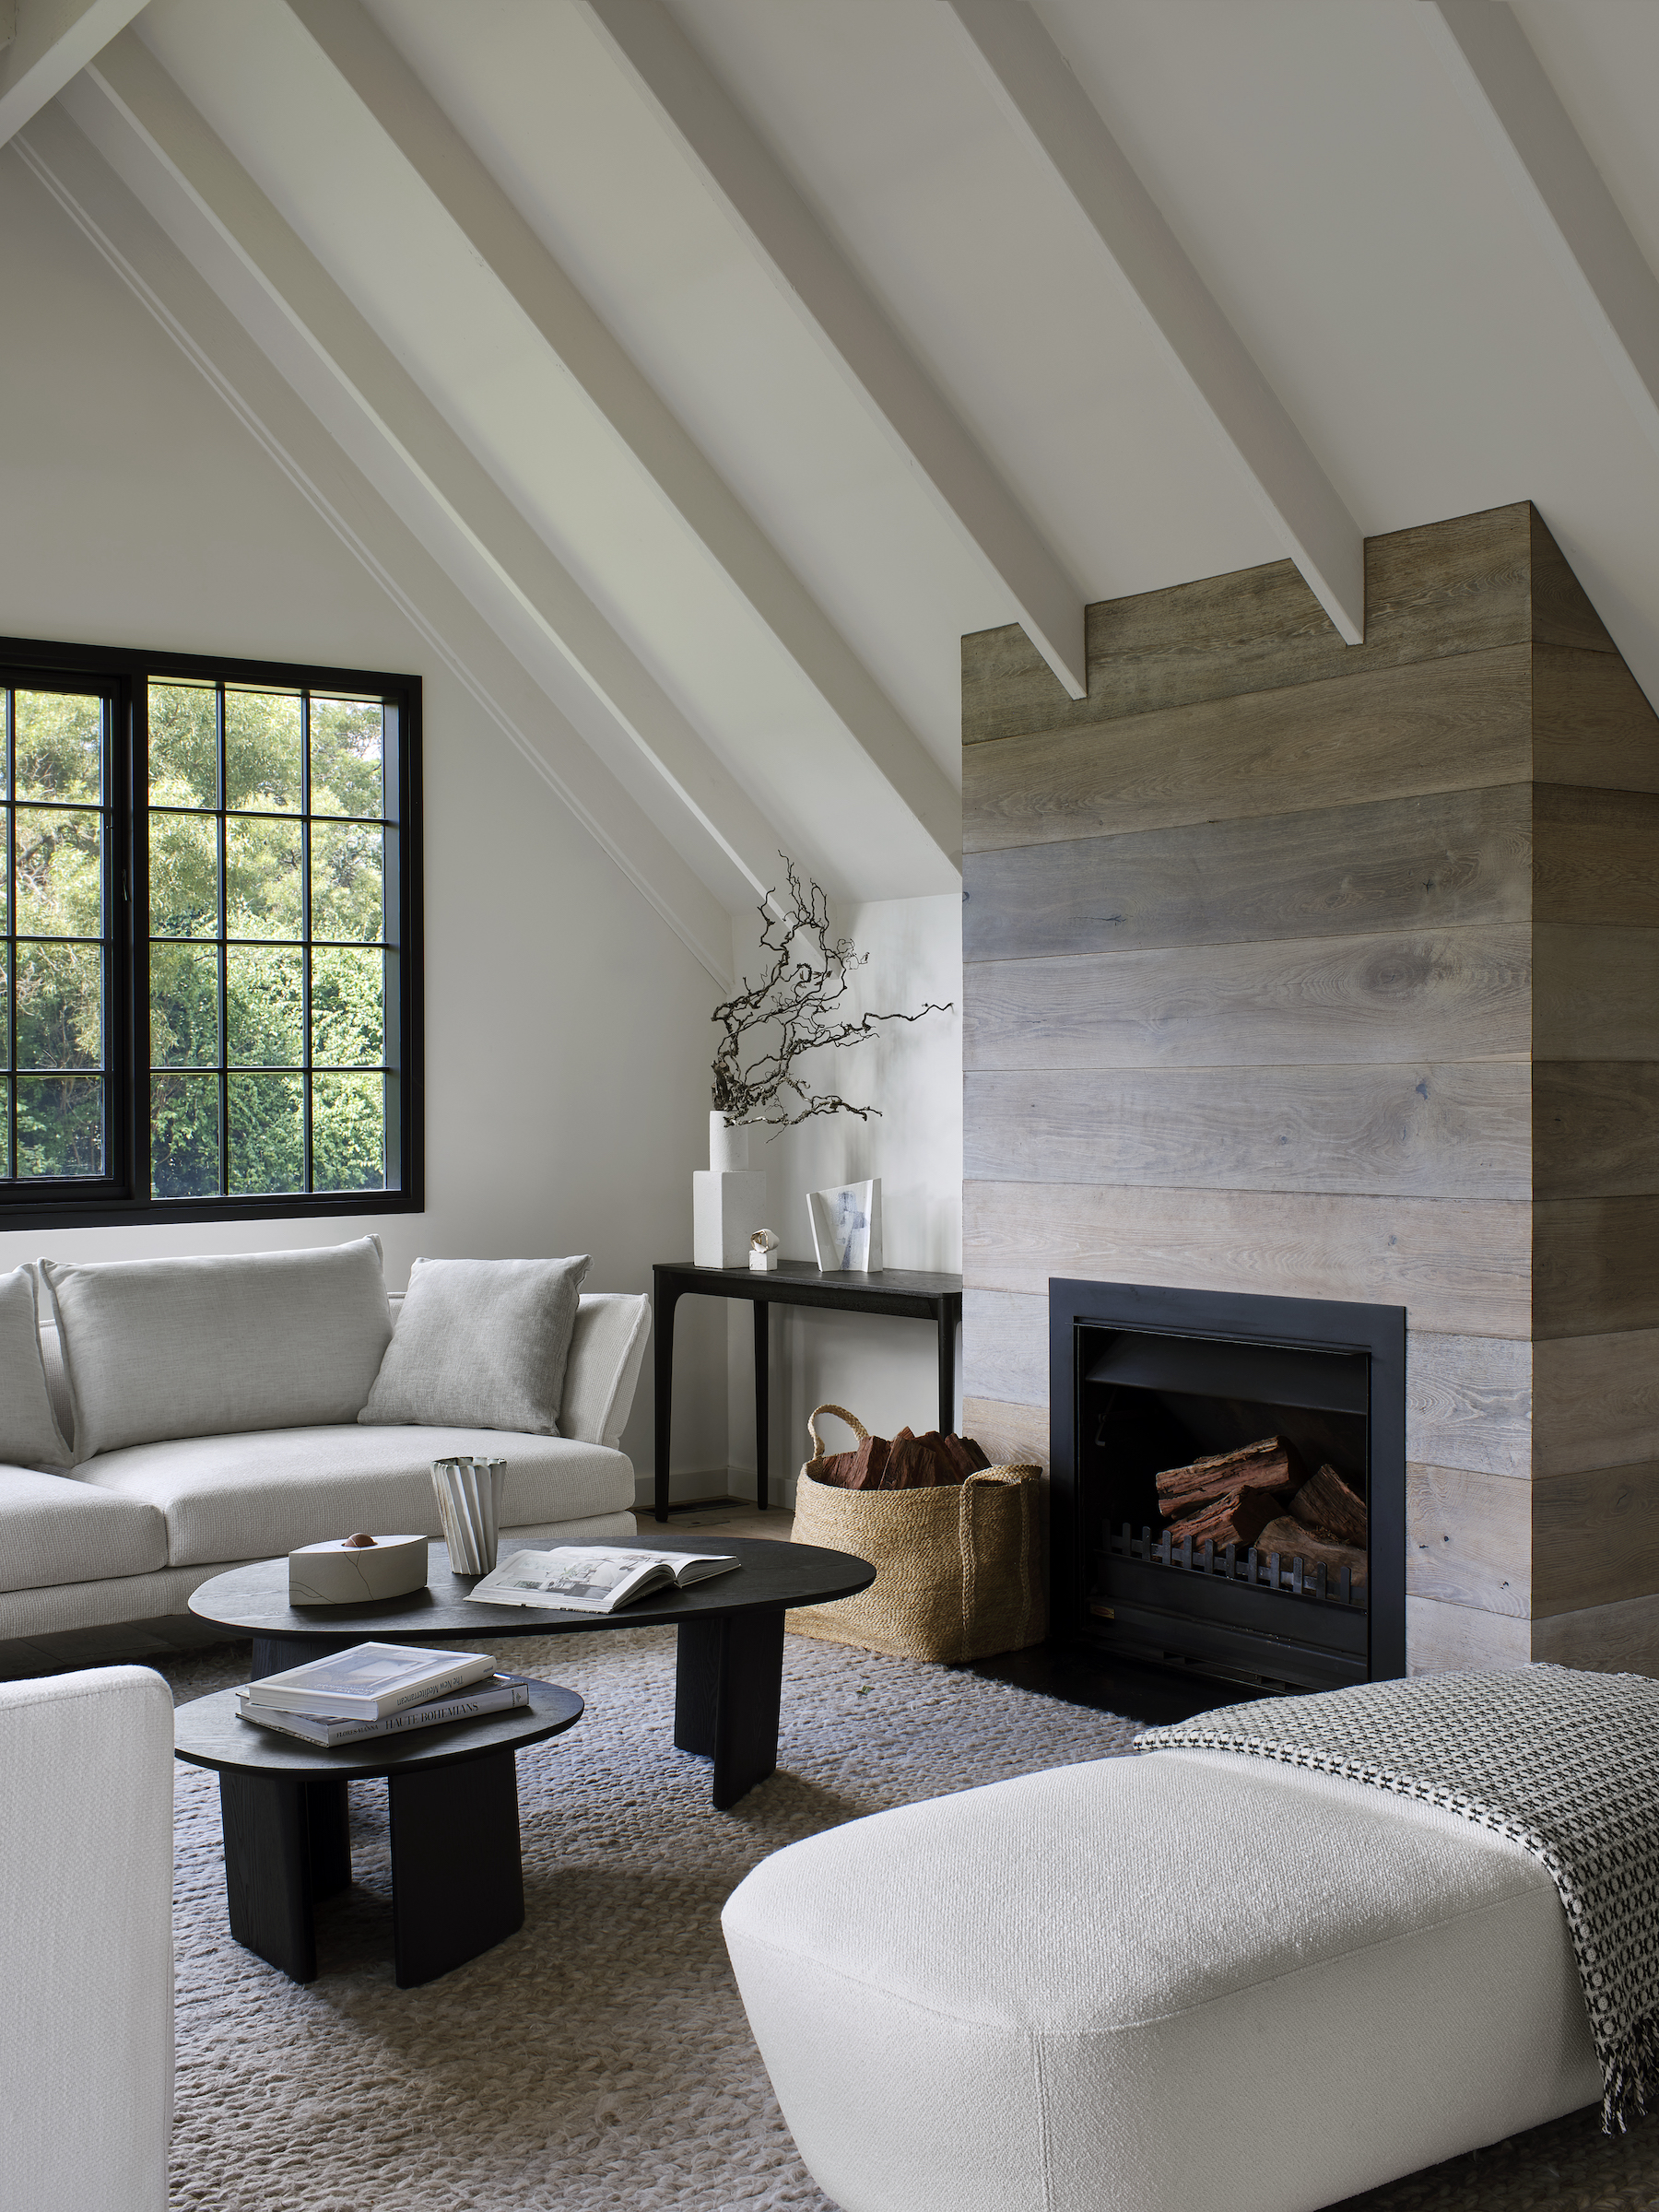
(1331, 972)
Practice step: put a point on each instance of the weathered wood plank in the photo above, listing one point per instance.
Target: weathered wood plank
(1595, 994)
(1620, 1638)
(1595, 1266)
(1455, 859)
(1454, 994)
(1469, 1402)
(1444, 1638)
(1592, 722)
(1468, 1538)
(1594, 1537)
(1595, 1128)
(1454, 1264)
(1596, 857)
(1395, 733)
(1562, 611)
(1011, 1435)
(1005, 1347)
(1596, 1401)
(1424, 1131)
(1451, 587)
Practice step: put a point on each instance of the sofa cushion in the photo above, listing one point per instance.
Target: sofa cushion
(481, 1343)
(216, 1345)
(56, 1529)
(607, 1349)
(252, 1497)
(28, 1429)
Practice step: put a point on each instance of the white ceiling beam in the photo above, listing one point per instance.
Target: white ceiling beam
(1549, 170)
(44, 43)
(820, 282)
(286, 299)
(1035, 88)
(514, 254)
(457, 639)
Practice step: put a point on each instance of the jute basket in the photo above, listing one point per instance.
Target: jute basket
(957, 1565)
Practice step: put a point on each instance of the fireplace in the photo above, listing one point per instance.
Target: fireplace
(1146, 1380)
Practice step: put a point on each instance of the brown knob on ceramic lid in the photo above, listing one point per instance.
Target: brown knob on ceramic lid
(360, 1542)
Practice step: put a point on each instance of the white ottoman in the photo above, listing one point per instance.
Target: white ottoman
(1186, 1982)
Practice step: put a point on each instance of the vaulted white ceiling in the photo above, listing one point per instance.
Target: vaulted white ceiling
(734, 358)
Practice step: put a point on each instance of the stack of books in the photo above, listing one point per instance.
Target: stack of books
(379, 1690)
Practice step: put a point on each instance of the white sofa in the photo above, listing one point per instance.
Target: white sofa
(128, 1533)
(1184, 1983)
(86, 1941)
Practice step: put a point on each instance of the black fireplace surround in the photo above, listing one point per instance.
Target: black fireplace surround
(1144, 1378)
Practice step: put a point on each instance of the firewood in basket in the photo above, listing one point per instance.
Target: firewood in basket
(895, 1475)
(1269, 1465)
(1236, 1518)
(1327, 1508)
(965, 1456)
(837, 1469)
(867, 1463)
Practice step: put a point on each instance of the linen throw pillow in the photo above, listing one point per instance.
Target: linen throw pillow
(214, 1347)
(29, 1436)
(480, 1344)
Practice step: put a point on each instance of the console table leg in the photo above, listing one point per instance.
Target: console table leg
(728, 1690)
(457, 1879)
(269, 1889)
(663, 1356)
(948, 1355)
(762, 1399)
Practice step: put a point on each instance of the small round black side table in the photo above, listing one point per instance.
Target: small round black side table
(457, 1880)
(729, 1681)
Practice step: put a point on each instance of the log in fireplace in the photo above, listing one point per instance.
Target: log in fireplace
(1272, 1551)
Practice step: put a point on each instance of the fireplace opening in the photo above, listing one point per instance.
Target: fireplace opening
(1230, 1498)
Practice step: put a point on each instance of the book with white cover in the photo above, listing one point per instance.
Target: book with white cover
(501, 1693)
(594, 1578)
(369, 1681)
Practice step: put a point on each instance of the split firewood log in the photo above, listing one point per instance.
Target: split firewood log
(1327, 1507)
(1291, 1540)
(1236, 1518)
(1268, 1464)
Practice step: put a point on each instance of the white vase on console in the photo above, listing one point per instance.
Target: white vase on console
(728, 1198)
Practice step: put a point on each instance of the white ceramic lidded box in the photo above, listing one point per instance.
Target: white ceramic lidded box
(349, 1570)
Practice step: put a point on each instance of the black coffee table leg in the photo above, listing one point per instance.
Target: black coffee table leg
(457, 1880)
(728, 1688)
(268, 1826)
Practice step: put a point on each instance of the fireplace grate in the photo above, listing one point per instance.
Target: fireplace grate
(1259, 1571)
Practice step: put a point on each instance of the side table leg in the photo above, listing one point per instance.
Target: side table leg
(762, 1399)
(728, 1690)
(328, 1829)
(268, 1892)
(457, 1879)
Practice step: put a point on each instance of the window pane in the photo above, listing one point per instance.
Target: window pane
(60, 746)
(184, 1006)
(264, 1006)
(5, 868)
(59, 1126)
(348, 1008)
(262, 877)
(267, 1134)
(183, 874)
(184, 1137)
(262, 751)
(347, 747)
(60, 1006)
(6, 1168)
(349, 1133)
(183, 744)
(5, 710)
(347, 891)
(59, 862)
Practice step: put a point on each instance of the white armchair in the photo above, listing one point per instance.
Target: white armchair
(86, 1941)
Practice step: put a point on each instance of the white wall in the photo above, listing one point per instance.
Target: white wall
(567, 1024)
(884, 1370)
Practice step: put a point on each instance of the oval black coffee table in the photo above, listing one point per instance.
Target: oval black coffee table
(457, 1879)
(729, 1678)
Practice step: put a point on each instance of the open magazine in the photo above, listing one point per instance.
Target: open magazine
(593, 1578)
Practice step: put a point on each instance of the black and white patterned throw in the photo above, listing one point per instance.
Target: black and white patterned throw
(1564, 1763)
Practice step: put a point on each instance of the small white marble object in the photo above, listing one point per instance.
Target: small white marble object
(763, 1251)
(343, 1573)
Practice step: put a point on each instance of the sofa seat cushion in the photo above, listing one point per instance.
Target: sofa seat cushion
(1185, 1981)
(55, 1529)
(252, 1497)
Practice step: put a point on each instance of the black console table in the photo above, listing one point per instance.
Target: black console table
(906, 1295)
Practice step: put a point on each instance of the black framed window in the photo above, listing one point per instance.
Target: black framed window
(211, 918)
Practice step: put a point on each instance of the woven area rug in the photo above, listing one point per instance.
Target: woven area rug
(599, 2061)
